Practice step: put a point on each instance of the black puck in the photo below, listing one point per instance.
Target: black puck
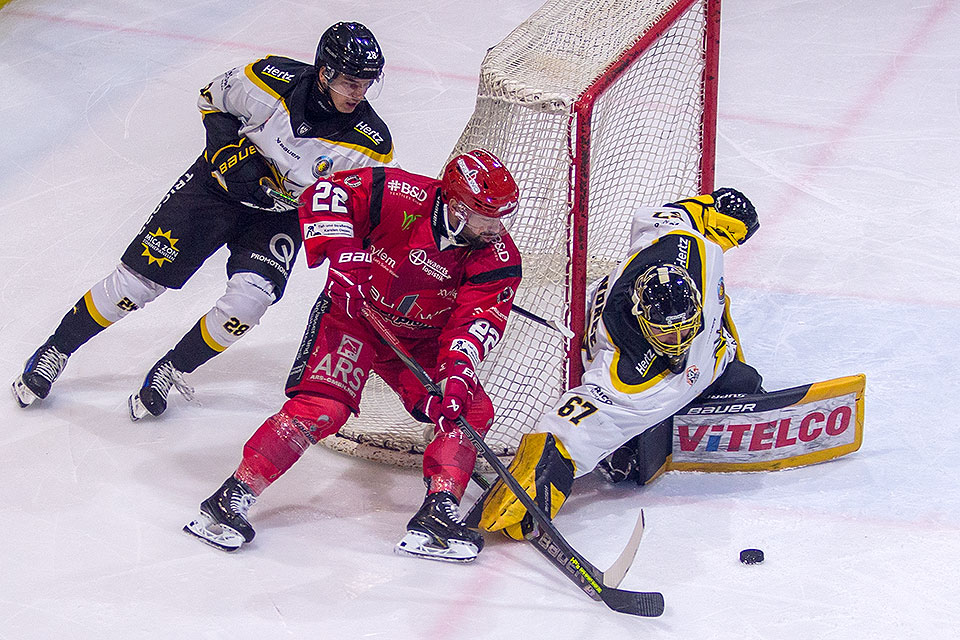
(751, 556)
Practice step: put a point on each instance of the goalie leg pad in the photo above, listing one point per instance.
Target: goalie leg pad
(545, 470)
(284, 436)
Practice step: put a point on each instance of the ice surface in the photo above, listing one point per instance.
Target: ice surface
(839, 120)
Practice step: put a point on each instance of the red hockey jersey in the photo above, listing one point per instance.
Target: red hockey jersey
(421, 283)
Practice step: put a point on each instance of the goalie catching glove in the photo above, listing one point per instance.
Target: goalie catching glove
(545, 470)
(725, 216)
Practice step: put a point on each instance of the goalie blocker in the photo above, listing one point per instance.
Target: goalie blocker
(761, 432)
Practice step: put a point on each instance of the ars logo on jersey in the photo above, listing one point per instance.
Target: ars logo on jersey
(693, 374)
(349, 348)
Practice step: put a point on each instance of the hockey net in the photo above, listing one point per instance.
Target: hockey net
(596, 107)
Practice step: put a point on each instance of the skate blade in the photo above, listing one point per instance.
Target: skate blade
(137, 410)
(216, 535)
(420, 545)
(22, 393)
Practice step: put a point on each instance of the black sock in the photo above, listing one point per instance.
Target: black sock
(192, 350)
(78, 326)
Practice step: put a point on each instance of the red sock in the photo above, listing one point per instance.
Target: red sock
(284, 436)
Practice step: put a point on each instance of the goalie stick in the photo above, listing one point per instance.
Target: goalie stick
(547, 538)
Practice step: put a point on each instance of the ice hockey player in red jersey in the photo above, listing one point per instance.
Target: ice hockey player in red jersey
(434, 258)
(272, 126)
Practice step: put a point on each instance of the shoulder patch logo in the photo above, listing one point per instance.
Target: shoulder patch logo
(322, 166)
(363, 128)
(273, 72)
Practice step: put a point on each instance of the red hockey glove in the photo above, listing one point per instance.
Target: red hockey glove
(461, 381)
(432, 407)
(349, 277)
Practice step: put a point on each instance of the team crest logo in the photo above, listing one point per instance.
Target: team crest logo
(323, 166)
(159, 247)
(353, 181)
(721, 291)
(693, 374)
(505, 295)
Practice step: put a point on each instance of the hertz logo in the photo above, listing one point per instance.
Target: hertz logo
(273, 72)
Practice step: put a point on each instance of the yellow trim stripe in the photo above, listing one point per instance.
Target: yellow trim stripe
(370, 153)
(620, 385)
(92, 310)
(255, 79)
(213, 344)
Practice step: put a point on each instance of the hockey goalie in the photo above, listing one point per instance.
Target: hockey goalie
(665, 385)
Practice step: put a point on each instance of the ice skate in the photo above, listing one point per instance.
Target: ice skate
(39, 373)
(436, 533)
(151, 399)
(223, 517)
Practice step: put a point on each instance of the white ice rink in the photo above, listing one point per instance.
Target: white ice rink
(840, 120)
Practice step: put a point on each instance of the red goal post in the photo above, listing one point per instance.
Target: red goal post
(596, 107)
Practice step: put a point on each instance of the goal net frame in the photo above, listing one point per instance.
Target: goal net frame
(597, 107)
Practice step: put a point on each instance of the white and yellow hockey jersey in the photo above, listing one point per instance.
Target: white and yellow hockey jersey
(270, 98)
(626, 387)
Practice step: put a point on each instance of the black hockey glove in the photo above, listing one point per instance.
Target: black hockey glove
(244, 174)
(731, 202)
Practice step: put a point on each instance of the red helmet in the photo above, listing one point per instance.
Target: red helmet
(480, 181)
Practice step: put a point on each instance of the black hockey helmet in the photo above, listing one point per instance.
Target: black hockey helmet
(667, 304)
(351, 49)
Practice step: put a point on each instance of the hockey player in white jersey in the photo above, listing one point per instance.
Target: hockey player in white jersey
(273, 127)
(658, 337)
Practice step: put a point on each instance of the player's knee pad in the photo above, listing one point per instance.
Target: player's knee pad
(541, 463)
(121, 292)
(286, 435)
(238, 310)
(316, 416)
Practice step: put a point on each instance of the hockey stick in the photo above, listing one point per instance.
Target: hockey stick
(547, 539)
(617, 570)
(556, 326)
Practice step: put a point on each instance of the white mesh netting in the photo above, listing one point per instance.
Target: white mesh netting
(644, 147)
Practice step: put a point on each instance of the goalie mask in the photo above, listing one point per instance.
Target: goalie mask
(481, 196)
(667, 304)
